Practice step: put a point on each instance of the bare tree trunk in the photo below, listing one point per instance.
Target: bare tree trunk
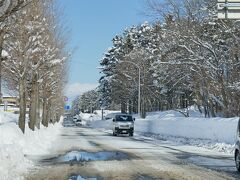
(38, 118)
(45, 113)
(58, 116)
(123, 107)
(1, 59)
(225, 102)
(169, 100)
(49, 113)
(212, 108)
(143, 103)
(22, 105)
(130, 107)
(33, 103)
(143, 108)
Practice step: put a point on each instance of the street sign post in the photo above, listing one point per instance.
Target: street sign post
(66, 104)
(228, 9)
(5, 105)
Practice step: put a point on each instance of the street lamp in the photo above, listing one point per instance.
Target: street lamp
(139, 83)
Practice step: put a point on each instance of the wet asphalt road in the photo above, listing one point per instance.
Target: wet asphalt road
(93, 154)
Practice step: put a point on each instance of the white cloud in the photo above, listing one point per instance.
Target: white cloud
(73, 90)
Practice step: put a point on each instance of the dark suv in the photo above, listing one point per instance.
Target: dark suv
(237, 147)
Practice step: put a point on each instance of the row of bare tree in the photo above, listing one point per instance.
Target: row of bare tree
(34, 58)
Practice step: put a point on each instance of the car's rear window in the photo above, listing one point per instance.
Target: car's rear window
(124, 118)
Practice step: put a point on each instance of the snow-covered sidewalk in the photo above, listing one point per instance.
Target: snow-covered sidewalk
(14, 145)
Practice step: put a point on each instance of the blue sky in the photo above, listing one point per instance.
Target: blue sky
(93, 24)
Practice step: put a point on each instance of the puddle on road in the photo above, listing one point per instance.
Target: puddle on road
(78, 177)
(83, 156)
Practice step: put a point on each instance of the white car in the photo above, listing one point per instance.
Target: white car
(123, 124)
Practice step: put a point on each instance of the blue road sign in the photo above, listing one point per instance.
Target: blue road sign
(67, 107)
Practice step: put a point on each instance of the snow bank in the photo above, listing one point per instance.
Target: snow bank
(6, 117)
(14, 145)
(213, 133)
(97, 115)
(173, 124)
(105, 112)
(89, 116)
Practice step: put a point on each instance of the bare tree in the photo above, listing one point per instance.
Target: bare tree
(8, 8)
(37, 64)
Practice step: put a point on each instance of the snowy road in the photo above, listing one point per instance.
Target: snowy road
(91, 153)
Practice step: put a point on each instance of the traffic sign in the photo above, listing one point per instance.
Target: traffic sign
(67, 107)
(65, 98)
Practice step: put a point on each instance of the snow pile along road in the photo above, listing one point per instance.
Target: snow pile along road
(213, 133)
(173, 124)
(97, 115)
(14, 145)
(89, 117)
